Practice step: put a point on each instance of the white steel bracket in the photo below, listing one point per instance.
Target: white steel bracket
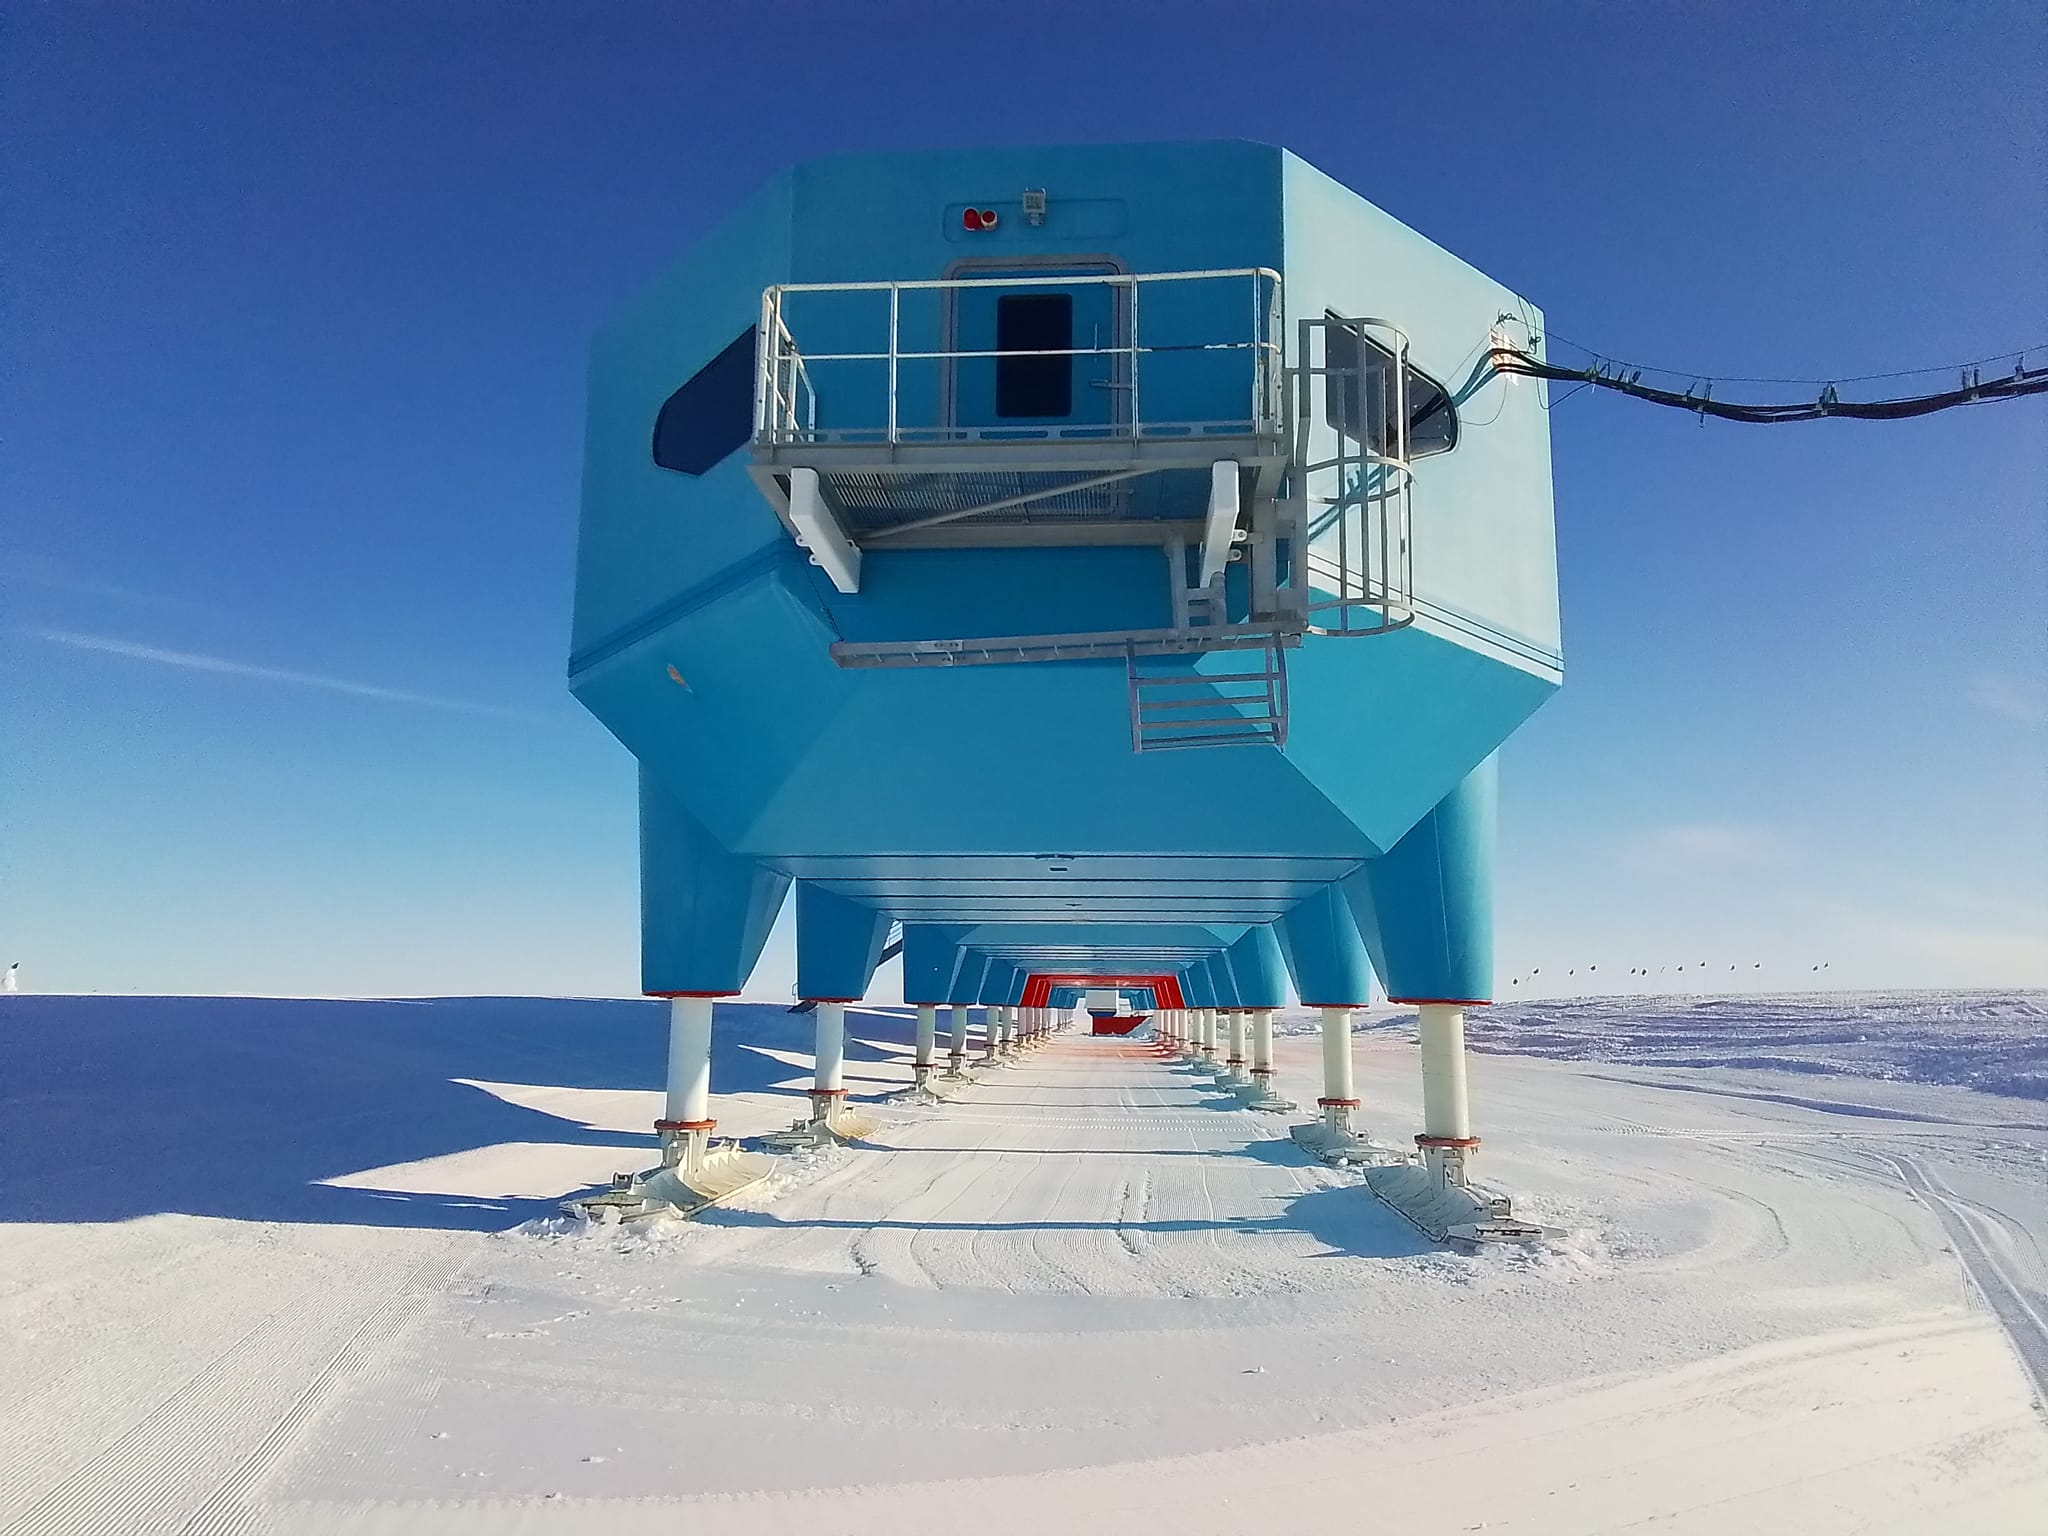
(818, 531)
(1219, 532)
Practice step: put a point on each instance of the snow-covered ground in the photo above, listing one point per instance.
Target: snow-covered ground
(288, 1266)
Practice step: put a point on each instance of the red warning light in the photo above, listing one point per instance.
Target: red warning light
(978, 218)
(988, 218)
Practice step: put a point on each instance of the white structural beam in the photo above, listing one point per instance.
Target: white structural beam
(818, 531)
(1219, 530)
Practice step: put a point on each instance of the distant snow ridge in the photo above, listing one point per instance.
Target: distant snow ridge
(1993, 1042)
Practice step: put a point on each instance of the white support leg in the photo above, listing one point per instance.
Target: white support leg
(1437, 1193)
(927, 1043)
(1263, 1095)
(686, 1123)
(1446, 1139)
(1333, 1137)
(828, 1081)
(692, 1175)
(1236, 1062)
(956, 1057)
(1340, 1095)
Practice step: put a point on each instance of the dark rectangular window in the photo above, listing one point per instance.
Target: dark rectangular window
(1034, 386)
(712, 415)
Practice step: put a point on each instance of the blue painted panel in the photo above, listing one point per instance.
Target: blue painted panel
(700, 634)
(1325, 954)
(1485, 540)
(704, 912)
(931, 954)
(968, 977)
(648, 532)
(1425, 910)
(1257, 969)
(1385, 726)
(838, 944)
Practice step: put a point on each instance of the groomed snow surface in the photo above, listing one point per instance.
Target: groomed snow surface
(292, 1267)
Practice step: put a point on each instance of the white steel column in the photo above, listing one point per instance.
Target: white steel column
(927, 1042)
(957, 1057)
(1262, 1045)
(1446, 1138)
(1339, 1098)
(685, 1125)
(828, 1081)
(1236, 1061)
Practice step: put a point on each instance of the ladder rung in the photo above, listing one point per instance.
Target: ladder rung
(1213, 705)
(1245, 739)
(1203, 680)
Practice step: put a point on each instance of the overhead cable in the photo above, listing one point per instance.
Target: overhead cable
(1972, 389)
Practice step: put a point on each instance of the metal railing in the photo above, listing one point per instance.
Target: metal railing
(1353, 480)
(786, 398)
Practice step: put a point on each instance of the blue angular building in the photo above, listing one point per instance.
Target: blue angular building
(1117, 565)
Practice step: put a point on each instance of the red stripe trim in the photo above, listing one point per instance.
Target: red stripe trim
(1447, 1141)
(684, 1125)
(1443, 1002)
(826, 1093)
(1337, 1103)
(1338, 1005)
(689, 994)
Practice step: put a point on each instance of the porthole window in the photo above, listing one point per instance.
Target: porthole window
(712, 415)
(1359, 396)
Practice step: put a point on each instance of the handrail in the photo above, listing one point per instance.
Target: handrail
(786, 398)
(1068, 281)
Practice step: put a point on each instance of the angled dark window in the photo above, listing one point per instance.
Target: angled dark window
(1358, 397)
(1034, 386)
(712, 415)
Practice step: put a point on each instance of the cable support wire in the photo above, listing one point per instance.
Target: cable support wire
(1973, 389)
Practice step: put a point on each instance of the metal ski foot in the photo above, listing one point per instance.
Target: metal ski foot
(722, 1174)
(841, 1126)
(1449, 1212)
(1342, 1148)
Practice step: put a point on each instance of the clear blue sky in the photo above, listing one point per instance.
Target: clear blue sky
(296, 302)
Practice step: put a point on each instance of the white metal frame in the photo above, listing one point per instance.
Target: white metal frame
(1354, 497)
(786, 398)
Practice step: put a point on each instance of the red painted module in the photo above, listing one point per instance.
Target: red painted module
(1117, 1024)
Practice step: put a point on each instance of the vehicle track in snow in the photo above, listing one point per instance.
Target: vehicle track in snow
(1967, 1226)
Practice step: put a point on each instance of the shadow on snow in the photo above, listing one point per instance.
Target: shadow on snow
(118, 1107)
